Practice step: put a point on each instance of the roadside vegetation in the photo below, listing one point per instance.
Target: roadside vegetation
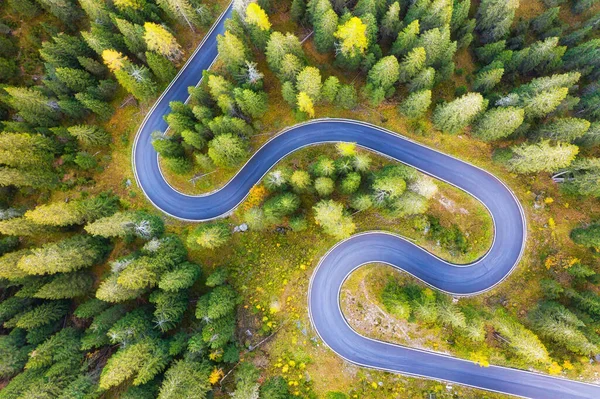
(102, 296)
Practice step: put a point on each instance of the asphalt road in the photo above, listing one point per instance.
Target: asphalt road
(340, 261)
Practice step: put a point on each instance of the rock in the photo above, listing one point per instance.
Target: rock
(128, 183)
(241, 228)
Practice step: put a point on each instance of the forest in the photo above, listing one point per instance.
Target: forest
(104, 296)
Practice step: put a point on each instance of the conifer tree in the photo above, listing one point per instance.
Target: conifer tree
(305, 104)
(487, 79)
(412, 64)
(416, 104)
(353, 41)
(406, 40)
(23, 150)
(494, 19)
(564, 129)
(183, 11)
(278, 46)
(453, 116)
(40, 315)
(586, 172)
(390, 23)
(68, 255)
(424, 80)
(161, 67)
(541, 157)
(227, 150)
(162, 41)
(251, 103)
(90, 135)
(331, 217)
(69, 285)
(498, 123)
(133, 35)
(385, 73)
(325, 28)
(232, 51)
(33, 106)
(65, 10)
(186, 378)
(210, 235)
(182, 277)
(588, 236)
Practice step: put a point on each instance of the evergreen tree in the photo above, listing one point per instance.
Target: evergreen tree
(278, 46)
(347, 97)
(161, 67)
(133, 35)
(330, 89)
(90, 135)
(63, 256)
(210, 235)
(34, 178)
(331, 217)
(251, 103)
(182, 277)
(65, 286)
(587, 236)
(538, 157)
(159, 39)
(40, 315)
(353, 40)
(99, 107)
(325, 28)
(309, 82)
(494, 19)
(73, 212)
(65, 10)
(453, 116)
(416, 104)
(385, 73)
(564, 129)
(23, 150)
(424, 80)
(227, 150)
(412, 64)
(498, 123)
(183, 11)
(586, 172)
(186, 378)
(541, 104)
(33, 106)
(390, 23)
(487, 79)
(232, 51)
(406, 40)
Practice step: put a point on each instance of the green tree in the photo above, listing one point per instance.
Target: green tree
(330, 215)
(407, 39)
(210, 235)
(390, 23)
(385, 73)
(161, 67)
(498, 123)
(324, 186)
(416, 104)
(40, 315)
(494, 19)
(69, 285)
(453, 116)
(412, 64)
(232, 51)
(309, 82)
(424, 80)
(184, 11)
(182, 277)
(33, 106)
(564, 129)
(90, 135)
(330, 89)
(280, 206)
(64, 10)
(587, 236)
(541, 156)
(251, 103)
(325, 28)
(487, 79)
(63, 256)
(186, 378)
(227, 150)
(347, 97)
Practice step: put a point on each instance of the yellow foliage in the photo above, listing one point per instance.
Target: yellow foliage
(305, 104)
(162, 41)
(135, 4)
(480, 358)
(256, 195)
(549, 200)
(113, 59)
(567, 365)
(554, 369)
(353, 36)
(215, 376)
(257, 16)
(550, 262)
(346, 149)
(551, 223)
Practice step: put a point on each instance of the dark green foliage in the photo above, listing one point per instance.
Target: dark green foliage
(90, 308)
(13, 353)
(275, 388)
(40, 315)
(169, 308)
(587, 236)
(182, 277)
(451, 238)
(186, 378)
(216, 278)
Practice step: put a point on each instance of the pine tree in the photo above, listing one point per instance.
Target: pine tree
(387, 186)
(186, 378)
(24, 150)
(227, 150)
(99, 107)
(75, 79)
(298, 10)
(161, 67)
(545, 20)
(167, 146)
(325, 28)
(40, 315)
(162, 41)
(101, 38)
(564, 129)
(331, 217)
(542, 156)
(586, 174)
(251, 103)
(541, 104)
(385, 73)
(406, 40)
(232, 52)
(487, 79)
(90, 135)
(330, 89)
(494, 19)
(498, 123)
(424, 80)
(412, 64)
(33, 106)
(182, 277)
(453, 116)
(65, 10)
(111, 291)
(278, 46)
(587, 236)
(280, 206)
(123, 224)
(133, 35)
(63, 256)
(416, 104)
(73, 212)
(183, 11)
(65, 286)
(390, 23)
(347, 97)
(324, 186)
(169, 308)
(309, 82)
(210, 235)
(34, 178)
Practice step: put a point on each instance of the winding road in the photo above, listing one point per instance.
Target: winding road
(342, 259)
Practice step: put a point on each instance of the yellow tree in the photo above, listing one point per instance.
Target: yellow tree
(113, 59)
(353, 37)
(305, 104)
(162, 41)
(257, 16)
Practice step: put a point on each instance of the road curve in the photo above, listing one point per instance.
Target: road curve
(342, 259)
